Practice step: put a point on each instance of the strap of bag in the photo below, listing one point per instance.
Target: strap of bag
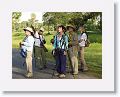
(25, 38)
(40, 40)
(56, 41)
(63, 43)
(60, 42)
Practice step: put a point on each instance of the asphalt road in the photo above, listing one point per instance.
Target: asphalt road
(19, 70)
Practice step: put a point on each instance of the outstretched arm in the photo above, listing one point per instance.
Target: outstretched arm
(33, 29)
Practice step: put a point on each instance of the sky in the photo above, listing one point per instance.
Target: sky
(27, 15)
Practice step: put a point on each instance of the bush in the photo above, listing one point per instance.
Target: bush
(95, 37)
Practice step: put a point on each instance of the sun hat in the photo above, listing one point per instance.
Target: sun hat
(28, 29)
(71, 26)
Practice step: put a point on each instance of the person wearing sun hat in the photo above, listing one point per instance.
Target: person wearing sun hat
(73, 48)
(27, 45)
(39, 52)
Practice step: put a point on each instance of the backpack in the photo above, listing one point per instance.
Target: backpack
(23, 50)
(87, 42)
(23, 53)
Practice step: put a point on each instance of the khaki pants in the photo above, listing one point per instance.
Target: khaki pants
(29, 62)
(73, 53)
(82, 59)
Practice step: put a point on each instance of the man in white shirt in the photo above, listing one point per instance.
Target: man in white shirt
(82, 37)
(39, 52)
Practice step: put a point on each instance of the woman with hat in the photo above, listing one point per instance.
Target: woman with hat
(73, 48)
(28, 45)
(39, 52)
(60, 49)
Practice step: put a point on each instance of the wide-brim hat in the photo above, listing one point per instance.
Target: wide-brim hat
(71, 26)
(28, 29)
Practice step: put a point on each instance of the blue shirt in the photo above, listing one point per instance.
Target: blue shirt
(61, 42)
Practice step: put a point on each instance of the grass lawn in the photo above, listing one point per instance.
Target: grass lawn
(93, 54)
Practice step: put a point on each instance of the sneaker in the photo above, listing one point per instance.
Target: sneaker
(75, 76)
(62, 75)
(75, 73)
(29, 75)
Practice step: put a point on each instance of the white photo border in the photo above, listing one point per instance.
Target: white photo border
(104, 84)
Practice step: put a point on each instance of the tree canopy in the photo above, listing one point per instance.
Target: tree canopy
(74, 18)
(91, 20)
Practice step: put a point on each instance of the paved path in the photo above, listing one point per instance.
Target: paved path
(18, 70)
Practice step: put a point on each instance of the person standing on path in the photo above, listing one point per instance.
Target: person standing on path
(39, 52)
(28, 44)
(60, 51)
(82, 37)
(73, 48)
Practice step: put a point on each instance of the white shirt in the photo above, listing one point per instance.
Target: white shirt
(28, 43)
(37, 39)
(82, 38)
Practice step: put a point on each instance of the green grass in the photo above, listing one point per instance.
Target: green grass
(17, 37)
(93, 54)
(93, 57)
(95, 37)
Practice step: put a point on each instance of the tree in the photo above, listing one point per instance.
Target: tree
(15, 20)
(23, 25)
(82, 18)
(32, 20)
(75, 18)
(48, 19)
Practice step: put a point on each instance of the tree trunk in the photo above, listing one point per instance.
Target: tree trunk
(48, 28)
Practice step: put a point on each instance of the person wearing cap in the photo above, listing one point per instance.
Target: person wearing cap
(28, 45)
(73, 48)
(82, 37)
(39, 52)
(60, 47)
